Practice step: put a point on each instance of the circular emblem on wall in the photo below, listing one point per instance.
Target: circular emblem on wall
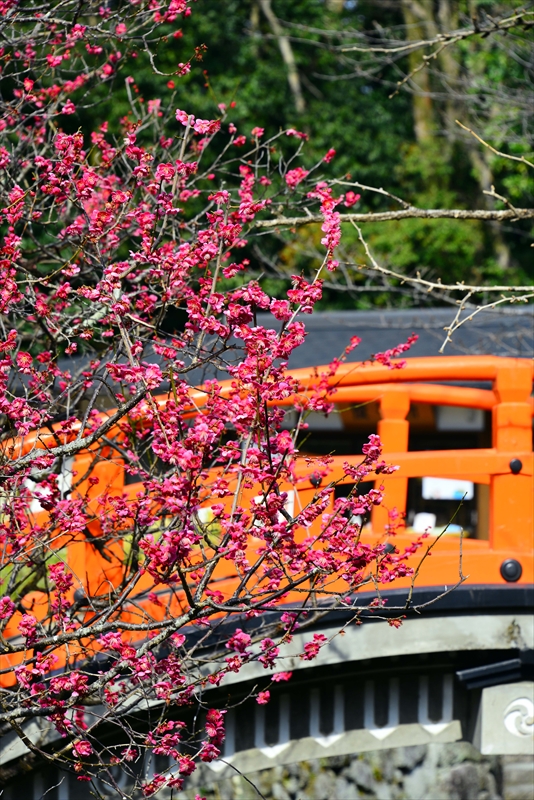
(519, 717)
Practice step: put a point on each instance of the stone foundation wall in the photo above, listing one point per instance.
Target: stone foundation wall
(430, 772)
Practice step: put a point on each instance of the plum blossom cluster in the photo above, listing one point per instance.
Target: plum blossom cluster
(332, 222)
(152, 494)
(386, 357)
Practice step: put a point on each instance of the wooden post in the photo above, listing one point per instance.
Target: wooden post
(512, 495)
(393, 430)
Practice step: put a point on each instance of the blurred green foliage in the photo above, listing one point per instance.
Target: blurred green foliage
(372, 134)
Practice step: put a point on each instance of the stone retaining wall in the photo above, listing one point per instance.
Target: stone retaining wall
(430, 772)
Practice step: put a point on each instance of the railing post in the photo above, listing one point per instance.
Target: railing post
(512, 495)
(393, 430)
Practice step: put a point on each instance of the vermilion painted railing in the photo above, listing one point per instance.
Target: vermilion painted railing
(511, 403)
(511, 494)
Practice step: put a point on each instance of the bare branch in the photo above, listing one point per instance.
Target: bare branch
(410, 213)
(520, 19)
(521, 159)
(438, 285)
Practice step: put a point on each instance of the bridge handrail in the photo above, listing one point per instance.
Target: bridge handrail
(435, 368)
(431, 393)
(353, 382)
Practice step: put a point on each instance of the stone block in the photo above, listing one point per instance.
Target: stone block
(518, 778)
(464, 782)
(361, 774)
(278, 792)
(406, 758)
(324, 786)
(518, 772)
(505, 724)
(456, 753)
(345, 790)
(383, 791)
(419, 783)
(519, 792)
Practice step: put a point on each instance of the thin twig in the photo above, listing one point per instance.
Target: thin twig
(521, 159)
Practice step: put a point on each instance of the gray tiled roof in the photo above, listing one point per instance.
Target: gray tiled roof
(507, 332)
(503, 333)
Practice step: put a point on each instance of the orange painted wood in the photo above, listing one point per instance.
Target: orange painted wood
(439, 368)
(393, 430)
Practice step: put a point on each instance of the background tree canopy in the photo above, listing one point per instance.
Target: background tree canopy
(281, 64)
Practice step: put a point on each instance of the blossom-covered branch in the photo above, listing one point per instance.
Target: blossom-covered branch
(159, 528)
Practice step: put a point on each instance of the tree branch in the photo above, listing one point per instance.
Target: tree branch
(516, 20)
(78, 444)
(410, 213)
